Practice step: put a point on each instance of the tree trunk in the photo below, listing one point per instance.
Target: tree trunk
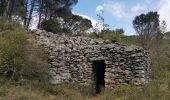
(40, 12)
(46, 12)
(26, 11)
(2, 5)
(11, 8)
(30, 13)
(8, 3)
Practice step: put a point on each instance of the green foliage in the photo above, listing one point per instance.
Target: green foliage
(19, 58)
(72, 24)
(119, 31)
(76, 24)
(22, 10)
(91, 35)
(5, 26)
(108, 34)
(147, 27)
(129, 39)
(51, 25)
(58, 7)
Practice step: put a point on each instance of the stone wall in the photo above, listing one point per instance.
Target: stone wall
(71, 59)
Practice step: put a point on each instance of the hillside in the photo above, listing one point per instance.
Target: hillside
(24, 70)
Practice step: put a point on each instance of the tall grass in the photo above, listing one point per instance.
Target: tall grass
(20, 59)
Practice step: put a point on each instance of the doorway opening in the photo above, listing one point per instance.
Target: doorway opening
(99, 74)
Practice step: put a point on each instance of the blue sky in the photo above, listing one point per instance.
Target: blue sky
(120, 13)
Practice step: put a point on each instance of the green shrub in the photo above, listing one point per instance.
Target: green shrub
(110, 36)
(129, 39)
(20, 59)
(51, 25)
(106, 35)
(91, 35)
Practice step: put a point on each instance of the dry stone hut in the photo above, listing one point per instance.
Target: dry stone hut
(88, 61)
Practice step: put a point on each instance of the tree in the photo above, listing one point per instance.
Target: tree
(102, 21)
(30, 13)
(146, 27)
(150, 31)
(26, 9)
(2, 7)
(51, 25)
(119, 31)
(76, 24)
(85, 25)
(101, 18)
(71, 24)
(163, 27)
(10, 8)
(25, 12)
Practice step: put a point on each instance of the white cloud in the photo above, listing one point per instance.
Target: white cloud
(164, 11)
(138, 8)
(117, 9)
(99, 8)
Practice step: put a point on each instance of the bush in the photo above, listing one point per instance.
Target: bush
(20, 59)
(106, 35)
(51, 25)
(110, 36)
(91, 35)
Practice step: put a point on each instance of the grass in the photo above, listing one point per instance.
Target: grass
(156, 90)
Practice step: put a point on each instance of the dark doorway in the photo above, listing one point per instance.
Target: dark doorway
(99, 74)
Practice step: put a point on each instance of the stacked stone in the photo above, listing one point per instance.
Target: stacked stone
(71, 59)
